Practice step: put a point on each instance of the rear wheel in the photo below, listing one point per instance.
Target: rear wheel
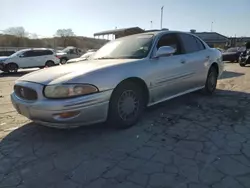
(242, 64)
(11, 68)
(49, 64)
(211, 82)
(126, 105)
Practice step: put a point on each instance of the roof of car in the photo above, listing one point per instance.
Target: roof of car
(156, 32)
(27, 49)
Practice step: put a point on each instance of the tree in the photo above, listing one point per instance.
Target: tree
(66, 35)
(18, 32)
(33, 36)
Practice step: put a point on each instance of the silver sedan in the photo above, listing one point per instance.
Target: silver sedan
(122, 78)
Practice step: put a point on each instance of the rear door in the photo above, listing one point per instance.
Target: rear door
(197, 59)
(43, 56)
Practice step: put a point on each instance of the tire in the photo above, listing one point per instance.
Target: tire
(63, 61)
(126, 105)
(242, 64)
(11, 68)
(211, 81)
(49, 64)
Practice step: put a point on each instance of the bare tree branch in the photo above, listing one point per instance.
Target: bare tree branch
(66, 35)
(18, 32)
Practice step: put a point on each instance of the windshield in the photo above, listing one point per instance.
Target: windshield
(65, 50)
(242, 49)
(135, 47)
(17, 53)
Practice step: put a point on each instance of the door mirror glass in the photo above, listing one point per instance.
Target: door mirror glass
(165, 51)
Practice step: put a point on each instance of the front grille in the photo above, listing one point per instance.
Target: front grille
(25, 93)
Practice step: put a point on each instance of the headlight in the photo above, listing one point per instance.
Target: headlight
(68, 90)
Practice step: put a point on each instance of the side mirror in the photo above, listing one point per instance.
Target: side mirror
(165, 51)
(21, 55)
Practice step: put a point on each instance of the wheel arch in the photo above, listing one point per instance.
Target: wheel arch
(138, 81)
(215, 65)
(49, 61)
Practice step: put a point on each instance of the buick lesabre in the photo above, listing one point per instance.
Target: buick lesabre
(122, 78)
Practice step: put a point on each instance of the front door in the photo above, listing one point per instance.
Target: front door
(168, 76)
(27, 59)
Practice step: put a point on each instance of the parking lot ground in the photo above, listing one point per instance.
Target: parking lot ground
(194, 141)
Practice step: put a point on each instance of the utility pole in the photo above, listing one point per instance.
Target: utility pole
(162, 15)
(212, 26)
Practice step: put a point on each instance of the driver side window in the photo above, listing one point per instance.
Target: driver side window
(170, 40)
(28, 54)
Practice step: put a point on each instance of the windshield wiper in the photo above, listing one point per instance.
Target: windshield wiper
(121, 57)
(100, 58)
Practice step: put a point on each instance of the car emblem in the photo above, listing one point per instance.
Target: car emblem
(22, 92)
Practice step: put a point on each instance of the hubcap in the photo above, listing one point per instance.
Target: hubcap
(128, 105)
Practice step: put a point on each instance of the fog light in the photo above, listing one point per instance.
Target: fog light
(65, 115)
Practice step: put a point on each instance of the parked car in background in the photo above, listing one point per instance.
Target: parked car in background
(6, 52)
(244, 58)
(120, 80)
(232, 54)
(69, 53)
(84, 57)
(220, 49)
(29, 58)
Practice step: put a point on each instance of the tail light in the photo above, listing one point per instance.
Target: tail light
(57, 57)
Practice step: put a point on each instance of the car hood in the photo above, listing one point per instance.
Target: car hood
(76, 60)
(2, 58)
(64, 73)
(229, 53)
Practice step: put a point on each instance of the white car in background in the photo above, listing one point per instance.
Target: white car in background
(84, 57)
(29, 58)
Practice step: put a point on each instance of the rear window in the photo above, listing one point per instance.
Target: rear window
(48, 52)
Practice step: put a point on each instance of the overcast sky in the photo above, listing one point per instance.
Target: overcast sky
(86, 17)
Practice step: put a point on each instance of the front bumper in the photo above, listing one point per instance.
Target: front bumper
(92, 109)
(2, 66)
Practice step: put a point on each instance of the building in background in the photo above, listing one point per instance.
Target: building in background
(238, 41)
(117, 33)
(213, 39)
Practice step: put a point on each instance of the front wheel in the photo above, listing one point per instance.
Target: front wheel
(11, 68)
(211, 81)
(126, 105)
